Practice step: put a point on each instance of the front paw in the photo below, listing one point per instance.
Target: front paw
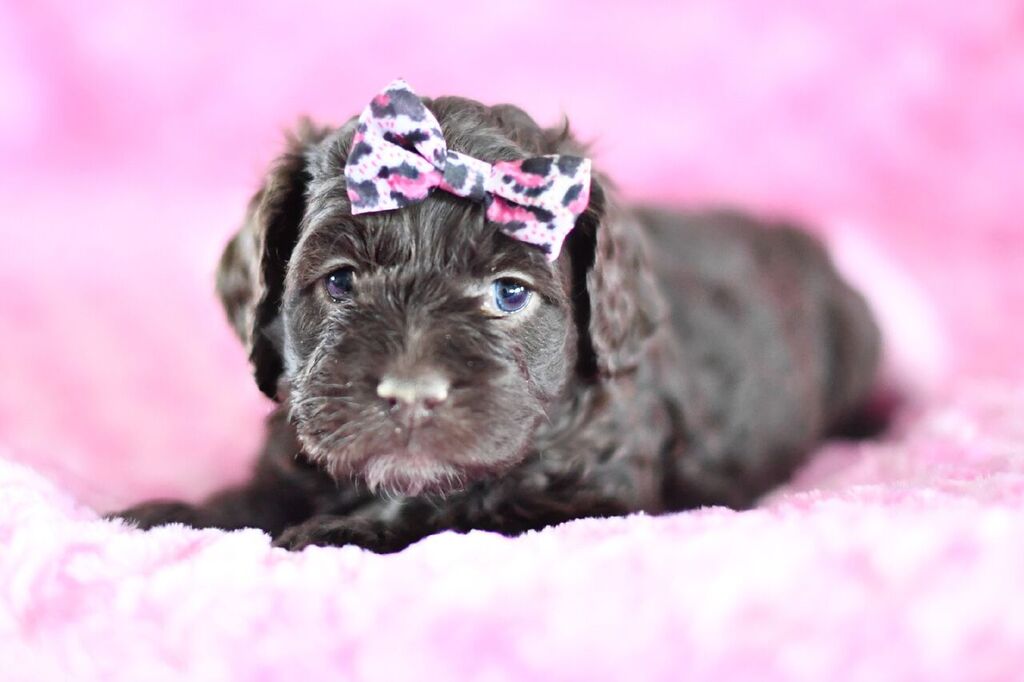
(150, 514)
(334, 532)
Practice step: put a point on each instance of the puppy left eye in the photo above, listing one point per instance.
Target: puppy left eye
(510, 295)
(339, 283)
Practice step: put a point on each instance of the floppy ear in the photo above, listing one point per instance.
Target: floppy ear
(250, 276)
(617, 304)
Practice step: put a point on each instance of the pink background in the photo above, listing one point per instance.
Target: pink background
(132, 134)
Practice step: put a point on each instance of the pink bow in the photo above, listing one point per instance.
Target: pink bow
(399, 154)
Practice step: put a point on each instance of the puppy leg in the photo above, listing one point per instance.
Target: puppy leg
(381, 526)
(511, 507)
(285, 490)
(270, 501)
(374, 534)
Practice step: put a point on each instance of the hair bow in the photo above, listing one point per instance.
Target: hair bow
(399, 155)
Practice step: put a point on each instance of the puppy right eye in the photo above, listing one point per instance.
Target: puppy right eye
(338, 284)
(510, 295)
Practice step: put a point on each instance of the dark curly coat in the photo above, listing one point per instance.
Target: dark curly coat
(671, 361)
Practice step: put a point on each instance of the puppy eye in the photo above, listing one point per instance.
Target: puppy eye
(510, 295)
(339, 283)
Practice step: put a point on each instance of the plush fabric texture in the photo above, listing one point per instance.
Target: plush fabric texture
(535, 200)
(131, 136)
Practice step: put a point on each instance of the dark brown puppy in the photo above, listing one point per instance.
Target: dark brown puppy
(664, 361)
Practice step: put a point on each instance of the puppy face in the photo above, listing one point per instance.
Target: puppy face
(421, 349)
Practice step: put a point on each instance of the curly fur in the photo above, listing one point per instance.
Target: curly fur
(675, 360)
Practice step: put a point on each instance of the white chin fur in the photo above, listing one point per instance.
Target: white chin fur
(407, 475)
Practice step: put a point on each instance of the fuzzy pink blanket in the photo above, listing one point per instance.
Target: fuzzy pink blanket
(130, 137)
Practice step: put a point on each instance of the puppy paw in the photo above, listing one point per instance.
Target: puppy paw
(150, 514)
(336, 532)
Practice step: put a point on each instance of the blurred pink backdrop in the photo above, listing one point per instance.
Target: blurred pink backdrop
(132, 134)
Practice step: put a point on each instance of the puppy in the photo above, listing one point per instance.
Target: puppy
(436, 370)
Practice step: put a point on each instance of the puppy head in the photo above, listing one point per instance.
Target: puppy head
(421, 349)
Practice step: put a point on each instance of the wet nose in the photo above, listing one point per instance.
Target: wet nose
(416, 393)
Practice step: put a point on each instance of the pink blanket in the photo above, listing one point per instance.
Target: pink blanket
(130, 137)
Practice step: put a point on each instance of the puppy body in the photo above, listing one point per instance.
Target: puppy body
(670, 360)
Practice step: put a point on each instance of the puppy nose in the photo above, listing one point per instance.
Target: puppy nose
(423, 390)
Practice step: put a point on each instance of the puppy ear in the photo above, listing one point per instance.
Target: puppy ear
(250, 277)
(617, 304)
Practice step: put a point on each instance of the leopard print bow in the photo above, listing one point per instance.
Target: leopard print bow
(399, 154)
